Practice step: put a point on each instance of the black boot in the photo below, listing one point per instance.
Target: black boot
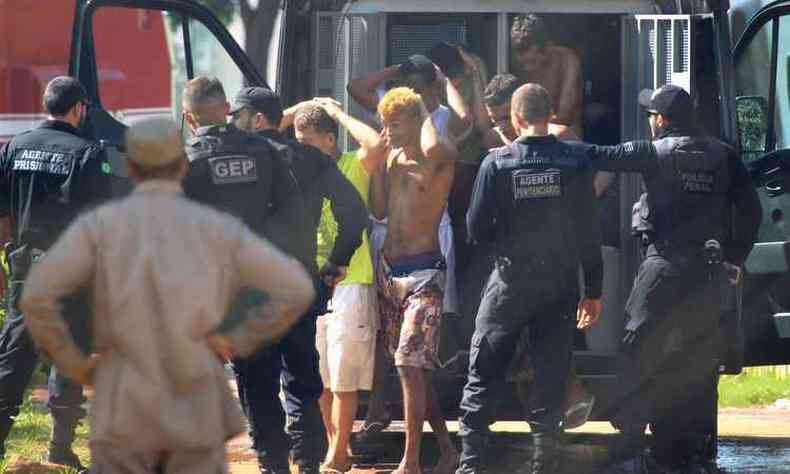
(60, 451)
(629, 444)
(545, 454)
(5, 428)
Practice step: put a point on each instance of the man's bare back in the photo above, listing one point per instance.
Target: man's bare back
(561, 76)
(416, 200)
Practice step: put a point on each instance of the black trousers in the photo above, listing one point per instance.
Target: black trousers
(18, 360)
(669, 374)
(291, 364)
(508, 306)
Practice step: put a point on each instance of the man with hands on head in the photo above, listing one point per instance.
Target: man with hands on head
(411, 192)
(346, 334)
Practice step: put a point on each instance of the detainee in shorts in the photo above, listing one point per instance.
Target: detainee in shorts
(346, 339)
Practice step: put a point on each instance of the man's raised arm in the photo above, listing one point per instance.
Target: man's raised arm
(365, 89)
(432, 146)
(461, 120)
(372, 151)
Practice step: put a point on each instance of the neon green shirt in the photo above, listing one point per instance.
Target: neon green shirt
(360, 268)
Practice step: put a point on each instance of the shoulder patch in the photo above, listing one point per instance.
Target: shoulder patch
(233, 169)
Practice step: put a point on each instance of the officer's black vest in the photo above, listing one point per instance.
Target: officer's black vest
(232, 170)
(538, 186)
(687, 195)
(44, 171)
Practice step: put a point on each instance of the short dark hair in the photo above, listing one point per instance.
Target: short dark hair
(532, 102)
(63, 93)
(316, 117)
(202, 89)
(527, 31)
(501, 88)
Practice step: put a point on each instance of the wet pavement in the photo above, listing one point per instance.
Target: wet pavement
(764, 455)
(585, 453)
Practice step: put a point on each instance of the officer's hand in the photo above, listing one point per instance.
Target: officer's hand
(587, 312)
(734, 273)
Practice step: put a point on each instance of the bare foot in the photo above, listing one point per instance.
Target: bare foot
(404, 470)
(329, 467)
(339, 463)
(448, 462)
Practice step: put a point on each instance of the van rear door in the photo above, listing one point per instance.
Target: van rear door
(762, 69)
(134, 56)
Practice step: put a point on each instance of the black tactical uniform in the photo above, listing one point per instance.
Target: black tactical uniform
(232, 170)
(699, 196)
(47, 176)
(535, 200)
(293, 363)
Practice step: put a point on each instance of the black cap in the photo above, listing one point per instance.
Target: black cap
(260, 99)
(446, 56)
(670, 100)
(418, 68)
(62, 93)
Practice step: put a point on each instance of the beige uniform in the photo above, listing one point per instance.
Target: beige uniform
(163, 271)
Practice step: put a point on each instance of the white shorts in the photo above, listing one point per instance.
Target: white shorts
(346, 339)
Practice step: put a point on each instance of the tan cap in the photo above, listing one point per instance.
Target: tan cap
(154, 142)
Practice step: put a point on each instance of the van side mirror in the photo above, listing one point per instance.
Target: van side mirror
(772, 171)
(752, 112)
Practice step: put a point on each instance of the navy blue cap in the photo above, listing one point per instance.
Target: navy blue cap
(670, 100)
(256, 98)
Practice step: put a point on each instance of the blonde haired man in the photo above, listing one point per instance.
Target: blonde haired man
(411, 192)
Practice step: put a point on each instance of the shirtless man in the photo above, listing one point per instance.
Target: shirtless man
(499, 129)
(556, 68)
(420, 74)
(412, 193)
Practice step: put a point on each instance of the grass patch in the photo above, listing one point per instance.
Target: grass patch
(29, 438)
(747, 390)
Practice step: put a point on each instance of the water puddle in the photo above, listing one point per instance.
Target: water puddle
(770, 456)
